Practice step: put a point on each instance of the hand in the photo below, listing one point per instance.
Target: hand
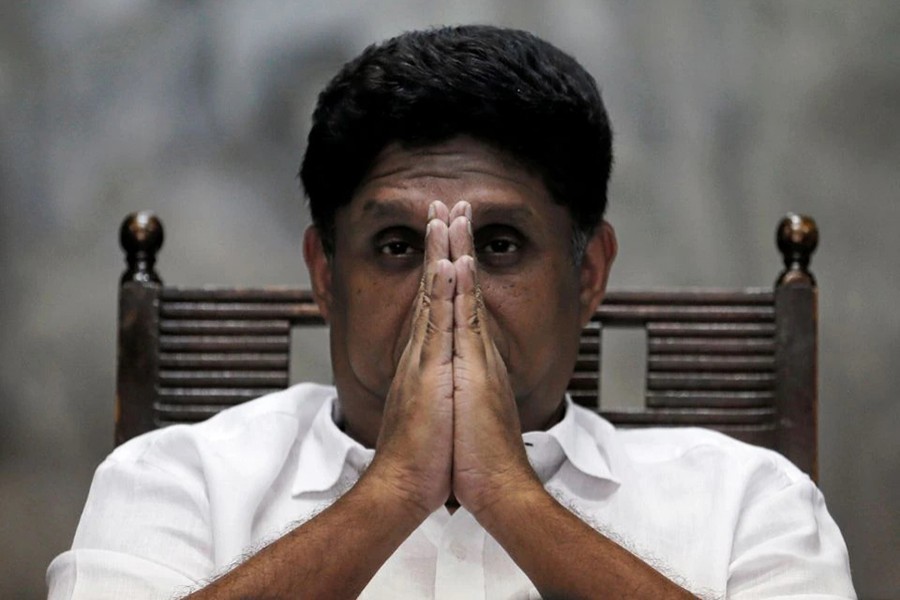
(489, 459)
(415, 445)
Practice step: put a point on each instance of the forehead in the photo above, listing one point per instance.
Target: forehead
(404, 181)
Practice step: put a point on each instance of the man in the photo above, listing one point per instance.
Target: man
(457, 183)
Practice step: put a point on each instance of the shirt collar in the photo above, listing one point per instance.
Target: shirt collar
(324, 452)
(583, 438)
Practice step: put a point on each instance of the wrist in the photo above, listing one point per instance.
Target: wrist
(510, 499)
(386, 484)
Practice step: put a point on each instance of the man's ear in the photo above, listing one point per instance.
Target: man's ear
(598, 257)
(319, 267)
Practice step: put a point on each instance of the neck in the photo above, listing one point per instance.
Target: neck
(544, 420)
(362, 421)
(360, 417)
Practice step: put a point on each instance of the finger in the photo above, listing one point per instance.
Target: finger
(437, 243)
(437, 345)
(436, 249)
(460, 234)
(461, 209)
(437, 246)
(469, 324)
(439, 210)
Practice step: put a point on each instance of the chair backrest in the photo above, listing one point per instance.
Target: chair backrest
(739, 361)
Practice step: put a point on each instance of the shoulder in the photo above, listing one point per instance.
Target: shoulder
(269, 424)
(709, 454)
(689, 453)
(744, 503)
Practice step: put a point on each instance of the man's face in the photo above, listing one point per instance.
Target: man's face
(535, 297)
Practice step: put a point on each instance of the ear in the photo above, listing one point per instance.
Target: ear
(319, 267)
(598, 257)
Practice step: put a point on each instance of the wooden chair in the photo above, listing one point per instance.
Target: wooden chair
(739, 361)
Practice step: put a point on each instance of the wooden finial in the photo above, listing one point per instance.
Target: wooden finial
(141, 236)
(797, 237)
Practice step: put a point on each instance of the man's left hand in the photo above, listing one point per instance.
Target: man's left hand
(489, 460)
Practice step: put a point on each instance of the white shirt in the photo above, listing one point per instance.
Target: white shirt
(171, 509)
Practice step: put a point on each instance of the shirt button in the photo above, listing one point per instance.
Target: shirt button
(458, 550)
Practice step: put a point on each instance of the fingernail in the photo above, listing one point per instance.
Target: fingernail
(469, 226)
(468, 211)
(431, 211)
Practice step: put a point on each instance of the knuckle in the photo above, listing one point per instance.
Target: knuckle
(424, 301)
(436, 333)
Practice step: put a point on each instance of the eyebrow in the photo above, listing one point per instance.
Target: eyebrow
(389, 207)
(516, 215)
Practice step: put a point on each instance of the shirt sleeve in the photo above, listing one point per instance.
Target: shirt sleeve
(786, 545)
(143, 535)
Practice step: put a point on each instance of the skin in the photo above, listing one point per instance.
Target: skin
(455, 309)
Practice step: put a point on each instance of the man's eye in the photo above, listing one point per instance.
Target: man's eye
(500, 246)
(396, 248)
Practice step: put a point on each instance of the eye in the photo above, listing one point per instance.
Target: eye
(396, 248)
(500, 246)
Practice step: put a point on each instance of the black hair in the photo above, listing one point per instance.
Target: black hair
(504, 87)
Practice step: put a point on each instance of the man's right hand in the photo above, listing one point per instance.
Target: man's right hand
(414, 453)
(409, 478)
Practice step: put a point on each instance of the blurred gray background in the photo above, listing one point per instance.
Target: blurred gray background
(727, 115)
